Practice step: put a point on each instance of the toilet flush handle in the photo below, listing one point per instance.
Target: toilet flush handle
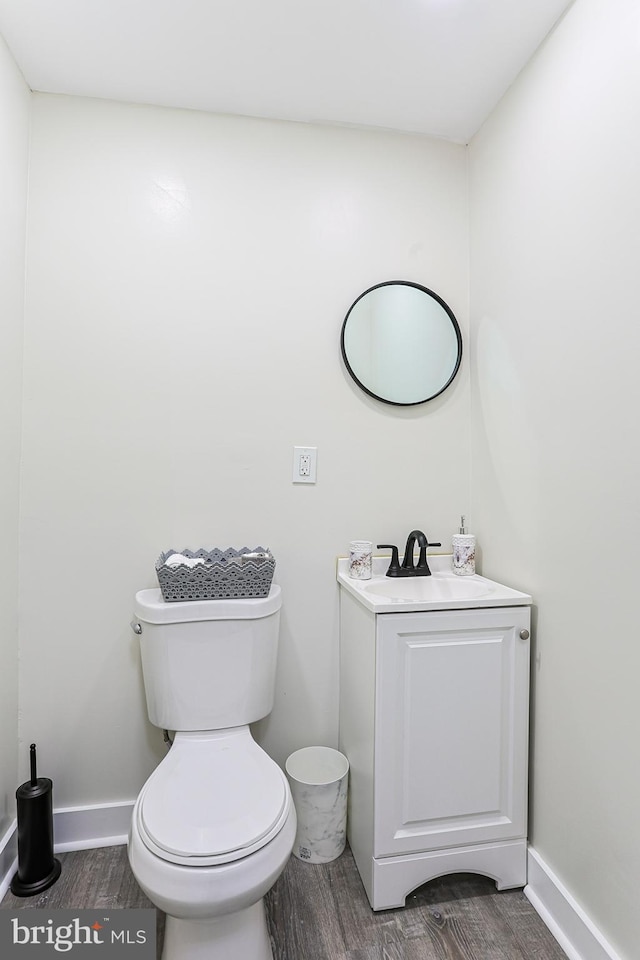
(136, 627)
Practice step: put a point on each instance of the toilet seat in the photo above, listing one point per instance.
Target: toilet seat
(216, 797)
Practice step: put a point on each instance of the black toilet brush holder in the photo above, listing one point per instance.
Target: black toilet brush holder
(38, 869)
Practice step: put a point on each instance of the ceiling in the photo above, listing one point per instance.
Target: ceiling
(436, 67)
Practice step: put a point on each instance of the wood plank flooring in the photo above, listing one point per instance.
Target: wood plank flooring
(320, 912)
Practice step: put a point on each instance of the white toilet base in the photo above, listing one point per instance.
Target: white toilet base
(242, 935)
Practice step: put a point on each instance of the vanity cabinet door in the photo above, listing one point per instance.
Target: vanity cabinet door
(451, 729)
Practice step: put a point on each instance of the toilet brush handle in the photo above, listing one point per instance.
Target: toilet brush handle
(32, 757)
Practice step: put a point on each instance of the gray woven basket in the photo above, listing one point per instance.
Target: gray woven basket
(224, 574)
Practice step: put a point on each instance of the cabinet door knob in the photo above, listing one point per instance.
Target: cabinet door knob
(524, 634)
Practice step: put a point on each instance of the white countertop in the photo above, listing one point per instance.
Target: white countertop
(370, 593)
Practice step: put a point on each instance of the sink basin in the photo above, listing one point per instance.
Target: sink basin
(443, 590)
(436, 588)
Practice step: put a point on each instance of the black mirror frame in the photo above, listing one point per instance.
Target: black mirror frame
(449, 312)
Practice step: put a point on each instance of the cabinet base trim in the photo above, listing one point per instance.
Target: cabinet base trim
(395, 877)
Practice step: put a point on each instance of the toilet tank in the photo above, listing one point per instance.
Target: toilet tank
(208, 664)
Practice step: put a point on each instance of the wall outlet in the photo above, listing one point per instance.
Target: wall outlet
(304, 464)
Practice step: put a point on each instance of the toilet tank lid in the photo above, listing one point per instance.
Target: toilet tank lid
(151, 608)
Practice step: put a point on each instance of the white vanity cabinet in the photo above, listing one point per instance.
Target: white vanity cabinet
(434, 720)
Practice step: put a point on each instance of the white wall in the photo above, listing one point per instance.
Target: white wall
(14, 136)
(555, 247)
(187, 280)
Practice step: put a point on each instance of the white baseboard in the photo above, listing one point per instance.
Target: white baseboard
(81, 828)
(8, 857)
(575, 932)
(74, 828)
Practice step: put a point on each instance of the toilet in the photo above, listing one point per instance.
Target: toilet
(214, 825)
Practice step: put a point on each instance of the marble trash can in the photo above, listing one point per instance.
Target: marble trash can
(318, 777)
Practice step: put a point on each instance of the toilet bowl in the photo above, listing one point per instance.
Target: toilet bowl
(214, 824)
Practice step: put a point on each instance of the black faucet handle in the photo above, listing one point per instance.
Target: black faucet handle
(422, 559)
(422, 567)
(394, 566)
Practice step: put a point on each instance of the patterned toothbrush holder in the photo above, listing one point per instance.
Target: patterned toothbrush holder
(360, 554)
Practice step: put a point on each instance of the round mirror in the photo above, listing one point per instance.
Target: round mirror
(401, 343)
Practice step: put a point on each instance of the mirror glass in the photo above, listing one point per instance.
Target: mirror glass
(401, 343)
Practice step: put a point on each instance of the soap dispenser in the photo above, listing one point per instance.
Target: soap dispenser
(464, 551)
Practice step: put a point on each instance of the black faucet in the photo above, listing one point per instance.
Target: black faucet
(407, 567)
